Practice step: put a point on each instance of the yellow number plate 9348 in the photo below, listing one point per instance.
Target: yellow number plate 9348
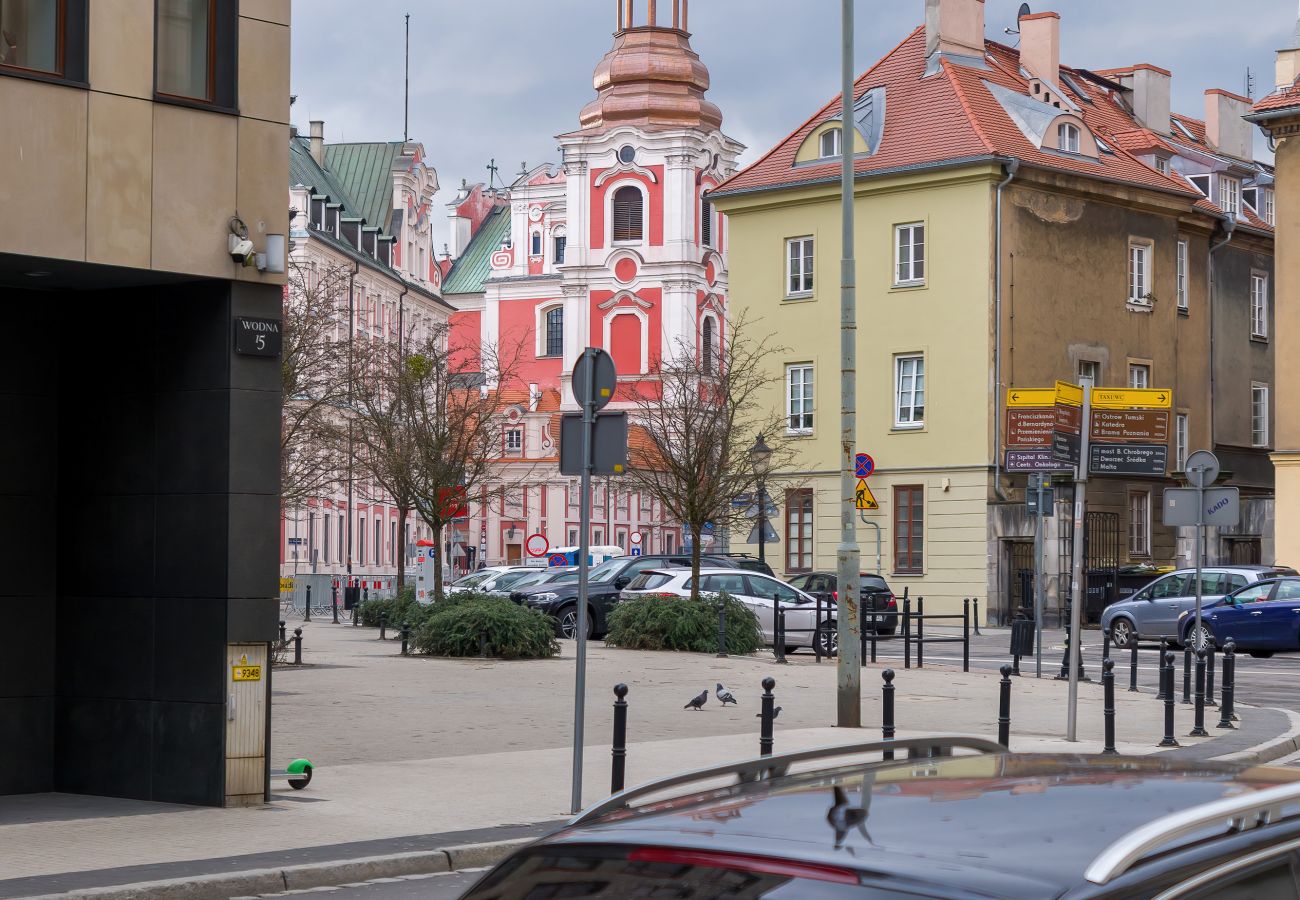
(246, 673)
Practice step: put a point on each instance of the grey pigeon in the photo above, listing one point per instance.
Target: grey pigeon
(698, 702)
(776, 712)
(843, 817)
(726, 696)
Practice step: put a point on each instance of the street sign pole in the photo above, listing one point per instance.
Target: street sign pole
(1038, 581)
(1202, 469)
(848, 555)
(1078, 584)
(587, 397)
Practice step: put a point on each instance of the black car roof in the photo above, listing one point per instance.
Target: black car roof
(1028, 823)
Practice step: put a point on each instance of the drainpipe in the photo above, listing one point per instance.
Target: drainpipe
(1013, 166)
(1229, 226)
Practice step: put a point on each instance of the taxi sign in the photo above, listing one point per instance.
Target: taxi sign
(1132, 398)
(245, 673)
(1068, 394)
(1020, 398)
(865, 499)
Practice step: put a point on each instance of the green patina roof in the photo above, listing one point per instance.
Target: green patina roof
(365, 171)
(475, 264)
(303, 170)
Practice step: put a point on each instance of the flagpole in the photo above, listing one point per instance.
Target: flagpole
(406, 101)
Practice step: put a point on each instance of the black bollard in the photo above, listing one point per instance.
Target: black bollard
(383, 626)
(1167, 692)
(1160, 668)
(297, 646)
(406, 636)
(618, 767)
(1229, 664)
(965, 633)
(1209, 676)
(874, 633)
(1198, 727)
(778, 634)
(1187, 674)
(887, 709)
(907, 631)
(284, 637)
(1133, 663)
(765, 718)
(1004, 708)
(334, 602)
(1105, 643)
(920, 632)
(1108, 703)
(306, 613)
(1065, 657)
(977, 616)
(722, 628)
(365, 593)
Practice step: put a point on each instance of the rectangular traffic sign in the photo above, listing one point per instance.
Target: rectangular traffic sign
(1030, 427)
(1132, 398)
(1140, 426)
(1066, 447)
(1029, 397)
(1041, 503)
(1127, 459)
(1067, 393)
(1032, 461)
(1222, 506)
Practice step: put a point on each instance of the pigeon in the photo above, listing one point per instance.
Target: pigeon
(726, 696)
(698, 702)
(776, 712)
(843, 817)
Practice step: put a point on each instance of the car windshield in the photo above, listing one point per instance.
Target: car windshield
(518, 579)
(874, 583)
(473, 580)
(563, 578)
(608, 570)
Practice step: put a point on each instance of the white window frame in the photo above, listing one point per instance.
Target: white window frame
(912, 272)
(1162, 165)
(1267, 206)
(905, 405)
(610, 190)
(710, 355)
(836, 136)
(807, 253)
(511, 445)
(1182, 274)
(1093, 366)
(1068, 137)
(539, 327)
(1139, 273)
(1230, 195)
(1139, 524)
(1182, 433)
(804, 377)
(1259, 305)
(1139, 375)
(1259, 423)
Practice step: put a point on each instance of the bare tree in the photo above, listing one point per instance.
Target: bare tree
(693, 449)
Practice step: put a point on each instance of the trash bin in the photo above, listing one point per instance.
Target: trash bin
(1022, 637)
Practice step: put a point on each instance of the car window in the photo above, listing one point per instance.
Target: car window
(1214, 582)
(648, 581)
(510, 579)
(1253, 594)
(1287, 590)
(803, 582)
(875, 583)
(607, 570)
(474, 579)
(1170, 586)
(716, 584)
(771, 589)
(1237, 581)
(563, 578)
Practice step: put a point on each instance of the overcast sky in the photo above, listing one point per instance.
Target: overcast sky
(500, 78)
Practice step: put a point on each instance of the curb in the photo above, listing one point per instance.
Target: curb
(303, 877)
(1276, 748)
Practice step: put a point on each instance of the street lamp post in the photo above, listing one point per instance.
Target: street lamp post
(760, 455)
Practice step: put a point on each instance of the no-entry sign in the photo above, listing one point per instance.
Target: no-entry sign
(537, 545)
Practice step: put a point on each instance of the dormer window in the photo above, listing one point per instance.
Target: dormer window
(831, 143)
(1229, 195)
(1162, 165)
(1067, 137)
(1201, 183)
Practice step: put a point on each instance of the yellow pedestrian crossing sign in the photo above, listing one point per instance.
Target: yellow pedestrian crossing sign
(866, 499)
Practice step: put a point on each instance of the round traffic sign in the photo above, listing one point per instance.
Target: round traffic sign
(636, 537)
(594, 377)
(558, 559)
(863, 465)
(1202, 468)
(537, 545)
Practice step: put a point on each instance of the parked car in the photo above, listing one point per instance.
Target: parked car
(560, 599)
(483, 580)
(843, 823)
(749, 562)
(510, 582)
(758, 592)
(1152, 613)
(1261, 619)
(875, 593)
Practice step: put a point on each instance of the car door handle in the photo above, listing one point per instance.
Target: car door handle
(1258, 613)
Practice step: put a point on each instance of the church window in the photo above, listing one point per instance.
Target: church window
(628, 212)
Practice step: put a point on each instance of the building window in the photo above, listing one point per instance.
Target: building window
(706, 223)
(909, 530)
(325, 538)
(1267, 211)
(343, 555)
(560, 243)
(909, 254)
(628, 213)
(514, 440)
(573, 537)
(799, 266)
(707, 351)
(1229, 195)
(1139, 375)
(194, 51)
(1139, 273)
(799, 530)
(670, 542)
(555, 331)
(1182, 275)
(1162, 165)
(536, 248)
(1139, 523)
(1258, 414)
(831, 142)
(799, 398)
(1067, 137)
(598, 537)
(1258, 305)
(392, 542)
(379, 543)
(909, 391)
(1089, 372)
(30, 37)
(361, 541)
(1180, 443)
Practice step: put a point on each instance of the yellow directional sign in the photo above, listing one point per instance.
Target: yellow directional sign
(286, 585)
(866, 499)
(1069, 394)
(1019, 398)
(1132, 398)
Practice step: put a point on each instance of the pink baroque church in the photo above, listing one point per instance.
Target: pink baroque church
(613, 247)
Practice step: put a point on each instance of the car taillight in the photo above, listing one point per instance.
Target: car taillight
(740, 862)
(835, 595)
(893, 602)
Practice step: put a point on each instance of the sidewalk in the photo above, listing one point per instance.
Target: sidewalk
(412, 748)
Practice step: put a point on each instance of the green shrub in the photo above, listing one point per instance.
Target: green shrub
(399, 609)
(669, 622)
(471, 625)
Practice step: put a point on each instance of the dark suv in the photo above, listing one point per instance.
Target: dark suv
(994, 824)
(603, 584)
(875, 593)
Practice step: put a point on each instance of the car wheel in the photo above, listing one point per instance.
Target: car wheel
(1198, 638)
(828, 639)
(1121, 633)
(1261, 654)
(886, 632)
(789, 650)
(567, 623)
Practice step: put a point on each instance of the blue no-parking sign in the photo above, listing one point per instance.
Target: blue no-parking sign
(863, 466)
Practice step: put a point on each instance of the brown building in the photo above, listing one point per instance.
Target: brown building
(142, 164)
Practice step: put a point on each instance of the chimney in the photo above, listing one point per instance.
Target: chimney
(1149, 89)
(318, 142)
(954, 27)
(1040, 46)
(1225, 129)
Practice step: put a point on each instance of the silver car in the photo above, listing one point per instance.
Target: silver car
(1152, 613)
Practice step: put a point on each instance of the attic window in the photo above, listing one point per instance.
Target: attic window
(1067, 137)
(1183, 128)
(831, 143)
(1162, 165)
(1201, 183)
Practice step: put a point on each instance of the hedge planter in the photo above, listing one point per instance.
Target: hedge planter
(486, 626)
(669, 622)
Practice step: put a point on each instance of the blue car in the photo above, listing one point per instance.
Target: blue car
(1261, 619)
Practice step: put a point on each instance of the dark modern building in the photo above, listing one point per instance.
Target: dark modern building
(144, 148)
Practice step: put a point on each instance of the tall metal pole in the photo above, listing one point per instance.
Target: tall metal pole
(406, 95)
(1198, 474)
(588, 399)
(1078, 585)
(848, 555)
(1038, 582)
(762, 520)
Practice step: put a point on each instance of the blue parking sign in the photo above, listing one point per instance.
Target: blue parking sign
(636, 551)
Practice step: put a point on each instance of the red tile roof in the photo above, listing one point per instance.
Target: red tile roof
(1283, 99)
